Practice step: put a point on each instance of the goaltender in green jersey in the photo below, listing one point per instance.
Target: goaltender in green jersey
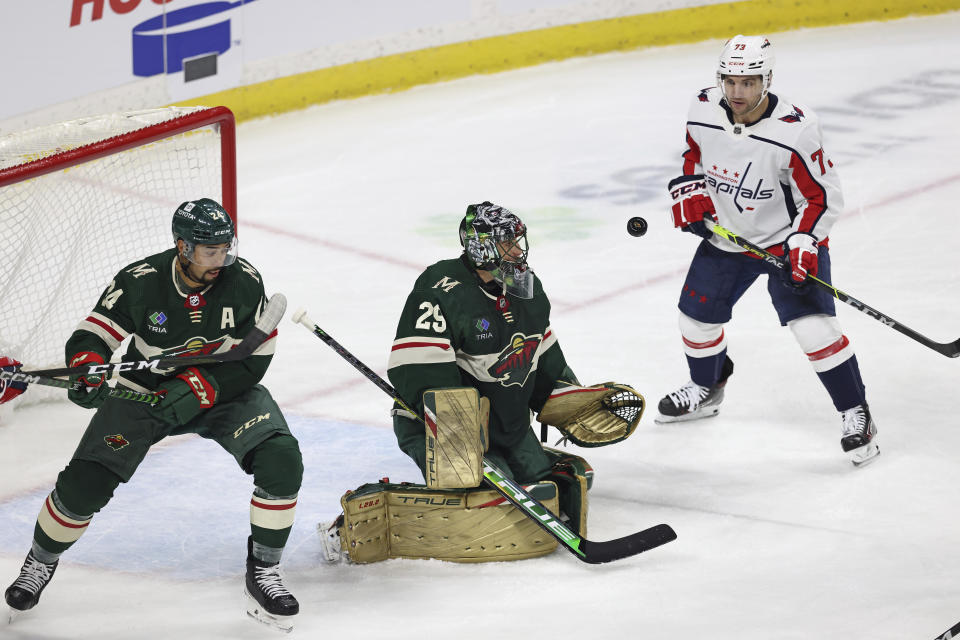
(474, 355)
(196, 298)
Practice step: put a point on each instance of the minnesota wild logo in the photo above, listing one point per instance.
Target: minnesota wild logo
(116, 441)
(514, 364)
(195, 347)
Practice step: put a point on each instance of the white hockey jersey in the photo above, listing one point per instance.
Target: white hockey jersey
(767, 179)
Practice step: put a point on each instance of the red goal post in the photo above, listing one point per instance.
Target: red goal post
(79, 200)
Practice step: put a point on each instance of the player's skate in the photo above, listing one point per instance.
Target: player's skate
(268, 601)
(329, 533)
(692, 402)
(858, 433)
(25, 591)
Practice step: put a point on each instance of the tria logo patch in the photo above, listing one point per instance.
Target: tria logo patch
(514, 364)
(158, 318)
(482, 324)
(116, 441)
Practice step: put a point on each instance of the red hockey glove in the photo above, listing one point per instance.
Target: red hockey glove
(192, 391)
(801, 249)
(691, 203)
(10, 390)
(89, 391)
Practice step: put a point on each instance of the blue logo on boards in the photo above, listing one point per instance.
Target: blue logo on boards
(161, 44)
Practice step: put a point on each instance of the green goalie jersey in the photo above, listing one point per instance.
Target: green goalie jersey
(145, 301)
(454, 333)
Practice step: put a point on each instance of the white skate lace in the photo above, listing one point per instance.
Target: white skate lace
(854, 421)
(33, 576)
(690, 395)
(271, 582)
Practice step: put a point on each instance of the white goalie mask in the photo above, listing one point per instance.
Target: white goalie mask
(746, 56)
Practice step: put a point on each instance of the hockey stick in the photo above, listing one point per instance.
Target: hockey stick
(952, 632)
(123, 394)
(269, 319)
(949, 349)
(585, 550)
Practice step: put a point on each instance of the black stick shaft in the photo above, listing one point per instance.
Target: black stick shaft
(949, 349)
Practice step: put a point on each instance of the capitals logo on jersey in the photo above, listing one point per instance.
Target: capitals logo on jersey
(734, 183)
(795, 116)
(514, 364)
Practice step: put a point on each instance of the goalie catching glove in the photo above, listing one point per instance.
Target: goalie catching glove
(593, 416)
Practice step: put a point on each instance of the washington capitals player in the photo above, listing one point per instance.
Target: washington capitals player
(755, 164)
(196, 297)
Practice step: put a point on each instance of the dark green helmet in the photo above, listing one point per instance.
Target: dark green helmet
(204, 221)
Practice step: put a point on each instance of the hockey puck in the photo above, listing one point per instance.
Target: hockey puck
(636, 227)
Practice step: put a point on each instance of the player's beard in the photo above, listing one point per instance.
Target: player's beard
(205, 275)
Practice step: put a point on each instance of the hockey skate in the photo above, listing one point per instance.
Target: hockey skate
(25, 591)
(858, 433)
(329, 533)
(692, 401)
(267, 600)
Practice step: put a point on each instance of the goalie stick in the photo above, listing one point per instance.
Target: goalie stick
(585, 550)
(269, 319)
(949, 349)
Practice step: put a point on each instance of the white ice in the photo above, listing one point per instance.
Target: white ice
(780, 537)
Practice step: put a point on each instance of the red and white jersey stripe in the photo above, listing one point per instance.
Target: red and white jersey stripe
(104, 328)
(420, 350)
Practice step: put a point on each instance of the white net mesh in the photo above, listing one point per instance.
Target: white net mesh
(67, 233)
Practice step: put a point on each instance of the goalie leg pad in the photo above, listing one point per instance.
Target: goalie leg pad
(594, 416)
(574, 477)
(455, 437)
(385, 520)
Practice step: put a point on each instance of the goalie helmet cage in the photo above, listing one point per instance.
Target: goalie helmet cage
(81, 199)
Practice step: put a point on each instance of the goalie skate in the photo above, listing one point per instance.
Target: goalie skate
(329, 533)
(858, 433)
(267, 599)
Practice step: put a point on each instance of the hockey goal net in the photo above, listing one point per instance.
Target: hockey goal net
(81, 199)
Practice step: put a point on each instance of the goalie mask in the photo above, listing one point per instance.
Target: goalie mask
(201, 224)
(495, 240)
(746, 56)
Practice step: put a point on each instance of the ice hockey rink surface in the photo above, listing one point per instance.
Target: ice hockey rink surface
(341, 206)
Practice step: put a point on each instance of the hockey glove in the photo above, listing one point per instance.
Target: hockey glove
(10, 390)
(88, 391)
(691, 204)
(192, 391)
(801, 252)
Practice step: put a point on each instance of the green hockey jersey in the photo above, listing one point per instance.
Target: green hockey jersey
(454, 333)
(145, 301)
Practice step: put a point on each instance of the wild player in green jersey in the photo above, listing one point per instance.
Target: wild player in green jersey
(195, 298)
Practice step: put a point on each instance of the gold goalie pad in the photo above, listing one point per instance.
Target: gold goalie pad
(384, 520)
(594, 416)
(456, 430)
